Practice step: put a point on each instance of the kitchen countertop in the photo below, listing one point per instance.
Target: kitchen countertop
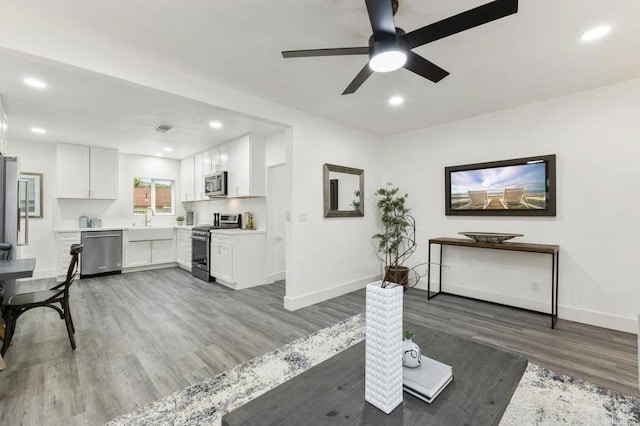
(120, 228)
(238, 231)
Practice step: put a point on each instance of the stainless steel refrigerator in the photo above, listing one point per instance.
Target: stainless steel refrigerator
(14, 219)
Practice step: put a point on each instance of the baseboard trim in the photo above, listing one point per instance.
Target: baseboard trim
(276, 276)
(149, 267)
(295, 303)
(571, 313)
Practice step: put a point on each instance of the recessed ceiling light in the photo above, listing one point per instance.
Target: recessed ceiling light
(168, 149)
(34, 82)
(396, 100)
(595, 33)
(215, 125)
(38, 130)
(158, 154)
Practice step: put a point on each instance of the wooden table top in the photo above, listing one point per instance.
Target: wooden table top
(467, 242)
(333, 392)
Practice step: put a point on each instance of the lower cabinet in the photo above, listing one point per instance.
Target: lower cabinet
(63, 247)
(183, 248)
(222, 260)
(144, 253)
(238, 258)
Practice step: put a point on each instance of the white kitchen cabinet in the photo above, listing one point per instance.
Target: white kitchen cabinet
(137, 253)
(246, 167)
(238, 258)
(183, 248)
(4, 138)
(86, 172)
(219, 155)
(64, 240)
(186, 179)
(201, 169)
(145, 253)
(222, 260)
(163, 251)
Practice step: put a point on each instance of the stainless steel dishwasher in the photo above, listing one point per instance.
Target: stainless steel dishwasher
(102, 253)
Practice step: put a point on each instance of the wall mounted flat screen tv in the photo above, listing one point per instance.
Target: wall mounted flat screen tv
(518, 187)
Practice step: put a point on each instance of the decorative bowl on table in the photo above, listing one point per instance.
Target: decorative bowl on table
(489, 237)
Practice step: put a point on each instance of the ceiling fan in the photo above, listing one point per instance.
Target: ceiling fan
(390, 47)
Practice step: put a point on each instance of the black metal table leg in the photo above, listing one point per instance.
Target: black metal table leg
(553, 289)
(429, 273)
(440, 266)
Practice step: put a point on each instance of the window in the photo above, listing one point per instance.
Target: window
(156, 194)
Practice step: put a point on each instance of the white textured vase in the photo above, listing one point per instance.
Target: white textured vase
(383, 367)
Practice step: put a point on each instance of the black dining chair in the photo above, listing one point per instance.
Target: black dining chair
(17, 304)
(5, 251)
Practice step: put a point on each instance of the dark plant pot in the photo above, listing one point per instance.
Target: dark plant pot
(397, 274)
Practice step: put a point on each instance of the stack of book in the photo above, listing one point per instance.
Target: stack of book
(427, 380)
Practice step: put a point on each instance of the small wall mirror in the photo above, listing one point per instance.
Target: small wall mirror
(343, 191)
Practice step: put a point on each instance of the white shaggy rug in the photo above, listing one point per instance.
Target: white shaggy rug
(542, 397)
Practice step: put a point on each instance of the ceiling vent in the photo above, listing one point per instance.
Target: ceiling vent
(163, 128)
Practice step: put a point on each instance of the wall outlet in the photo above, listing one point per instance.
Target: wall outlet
(535, 286)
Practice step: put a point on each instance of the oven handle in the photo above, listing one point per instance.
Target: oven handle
(199, 238)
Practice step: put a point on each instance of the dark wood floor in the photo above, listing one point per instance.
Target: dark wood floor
(142, 336)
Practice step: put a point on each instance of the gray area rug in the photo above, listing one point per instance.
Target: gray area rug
(542, 397)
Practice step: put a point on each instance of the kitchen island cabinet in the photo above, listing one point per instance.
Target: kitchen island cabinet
(238, 258)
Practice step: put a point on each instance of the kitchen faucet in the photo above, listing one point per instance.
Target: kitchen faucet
(147, 221)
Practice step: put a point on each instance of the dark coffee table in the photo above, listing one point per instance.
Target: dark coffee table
(333, 392)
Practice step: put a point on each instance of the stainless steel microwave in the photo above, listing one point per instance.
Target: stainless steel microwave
(215, 184)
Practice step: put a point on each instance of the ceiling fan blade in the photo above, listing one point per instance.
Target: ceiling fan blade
(362, 76)
(463, 21)
(325, 52)
(381, 17)
(427, 69)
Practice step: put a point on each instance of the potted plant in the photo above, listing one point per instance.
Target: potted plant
(180, 220)
(397, 241)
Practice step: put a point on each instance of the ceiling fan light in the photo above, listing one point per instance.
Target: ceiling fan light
(388, 60)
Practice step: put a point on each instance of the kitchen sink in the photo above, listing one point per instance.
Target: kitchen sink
(150, 233)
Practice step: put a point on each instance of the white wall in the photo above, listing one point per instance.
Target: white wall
(317, 248)
(40, 158)
(276, 150)
(595, 135)
(277, 204)
(330, 256)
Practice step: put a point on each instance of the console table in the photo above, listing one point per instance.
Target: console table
(553, 250)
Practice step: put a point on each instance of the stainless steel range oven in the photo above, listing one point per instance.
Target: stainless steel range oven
(201, 243)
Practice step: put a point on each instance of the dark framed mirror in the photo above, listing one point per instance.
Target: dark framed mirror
(343, 191)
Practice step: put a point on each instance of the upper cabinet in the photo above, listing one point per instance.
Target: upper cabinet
(219, 155)
(201, 164)
(186, 179)
(246, 167)
(86, 172)
(244, 161)
(3, 129)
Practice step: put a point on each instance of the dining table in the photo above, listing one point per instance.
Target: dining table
(11, 270)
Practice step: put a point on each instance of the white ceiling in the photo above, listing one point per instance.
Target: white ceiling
(88, 108)
(533, 55)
